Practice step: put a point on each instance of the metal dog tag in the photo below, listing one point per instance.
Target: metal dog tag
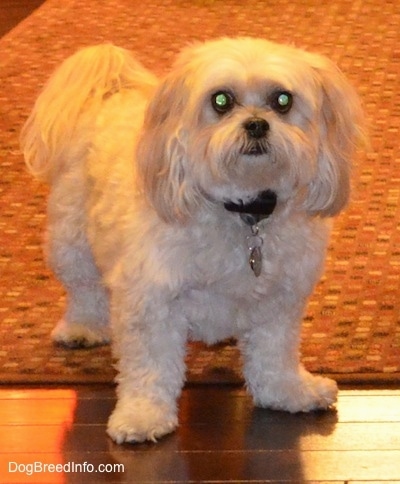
(255, 260)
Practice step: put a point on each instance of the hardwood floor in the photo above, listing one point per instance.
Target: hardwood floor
(221, 438)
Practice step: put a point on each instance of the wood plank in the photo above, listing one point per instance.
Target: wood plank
(200, 405)
(371, 408)
(195, 438)
(53, 392)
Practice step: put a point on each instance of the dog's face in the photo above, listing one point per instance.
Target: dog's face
(240, 116)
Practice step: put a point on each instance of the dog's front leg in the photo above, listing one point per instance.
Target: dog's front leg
(149, 338)
(274, 375)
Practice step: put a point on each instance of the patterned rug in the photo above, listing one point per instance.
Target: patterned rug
(352, 324)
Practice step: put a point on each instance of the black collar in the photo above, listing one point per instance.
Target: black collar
(258, 209)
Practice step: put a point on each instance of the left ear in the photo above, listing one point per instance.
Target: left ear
(340, 131)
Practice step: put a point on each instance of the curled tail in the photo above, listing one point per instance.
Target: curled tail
(84, 79)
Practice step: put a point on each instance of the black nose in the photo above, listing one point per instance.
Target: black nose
(256, 127)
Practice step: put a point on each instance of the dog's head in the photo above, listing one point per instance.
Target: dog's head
(239, 116)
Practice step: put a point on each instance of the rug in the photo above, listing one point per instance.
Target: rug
(352, 326)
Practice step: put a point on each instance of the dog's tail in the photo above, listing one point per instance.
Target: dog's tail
(80, 84)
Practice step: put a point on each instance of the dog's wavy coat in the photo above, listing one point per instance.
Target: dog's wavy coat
(142, 171)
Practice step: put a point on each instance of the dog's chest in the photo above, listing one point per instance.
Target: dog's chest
(229, 259)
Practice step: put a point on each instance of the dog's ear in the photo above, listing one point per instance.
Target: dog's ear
(340, 131)
(163, 166)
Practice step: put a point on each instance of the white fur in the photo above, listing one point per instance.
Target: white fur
(138, 233)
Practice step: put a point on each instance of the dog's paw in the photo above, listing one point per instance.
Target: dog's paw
(300, 393)
(79, 335)
(139, 419)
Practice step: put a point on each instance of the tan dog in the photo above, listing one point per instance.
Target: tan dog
(193, 207)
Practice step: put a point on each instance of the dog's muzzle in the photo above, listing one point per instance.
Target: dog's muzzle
(256, 131)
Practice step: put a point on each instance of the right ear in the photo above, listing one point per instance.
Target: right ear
(161, 153)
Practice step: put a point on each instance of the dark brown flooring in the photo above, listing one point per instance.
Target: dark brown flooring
(222, 438)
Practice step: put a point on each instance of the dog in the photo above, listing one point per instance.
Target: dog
(193, 207)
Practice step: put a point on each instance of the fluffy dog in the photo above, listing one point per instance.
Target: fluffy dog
(194, 207)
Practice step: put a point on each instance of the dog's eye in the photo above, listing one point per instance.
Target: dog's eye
(281, 101)
(222, 102)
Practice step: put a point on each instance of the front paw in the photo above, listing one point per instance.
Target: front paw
(139, 419)
(80, 335)
(302, 392)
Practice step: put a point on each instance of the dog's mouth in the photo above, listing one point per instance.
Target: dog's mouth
(254, 149)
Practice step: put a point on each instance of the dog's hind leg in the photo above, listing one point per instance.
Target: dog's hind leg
(85, 321)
